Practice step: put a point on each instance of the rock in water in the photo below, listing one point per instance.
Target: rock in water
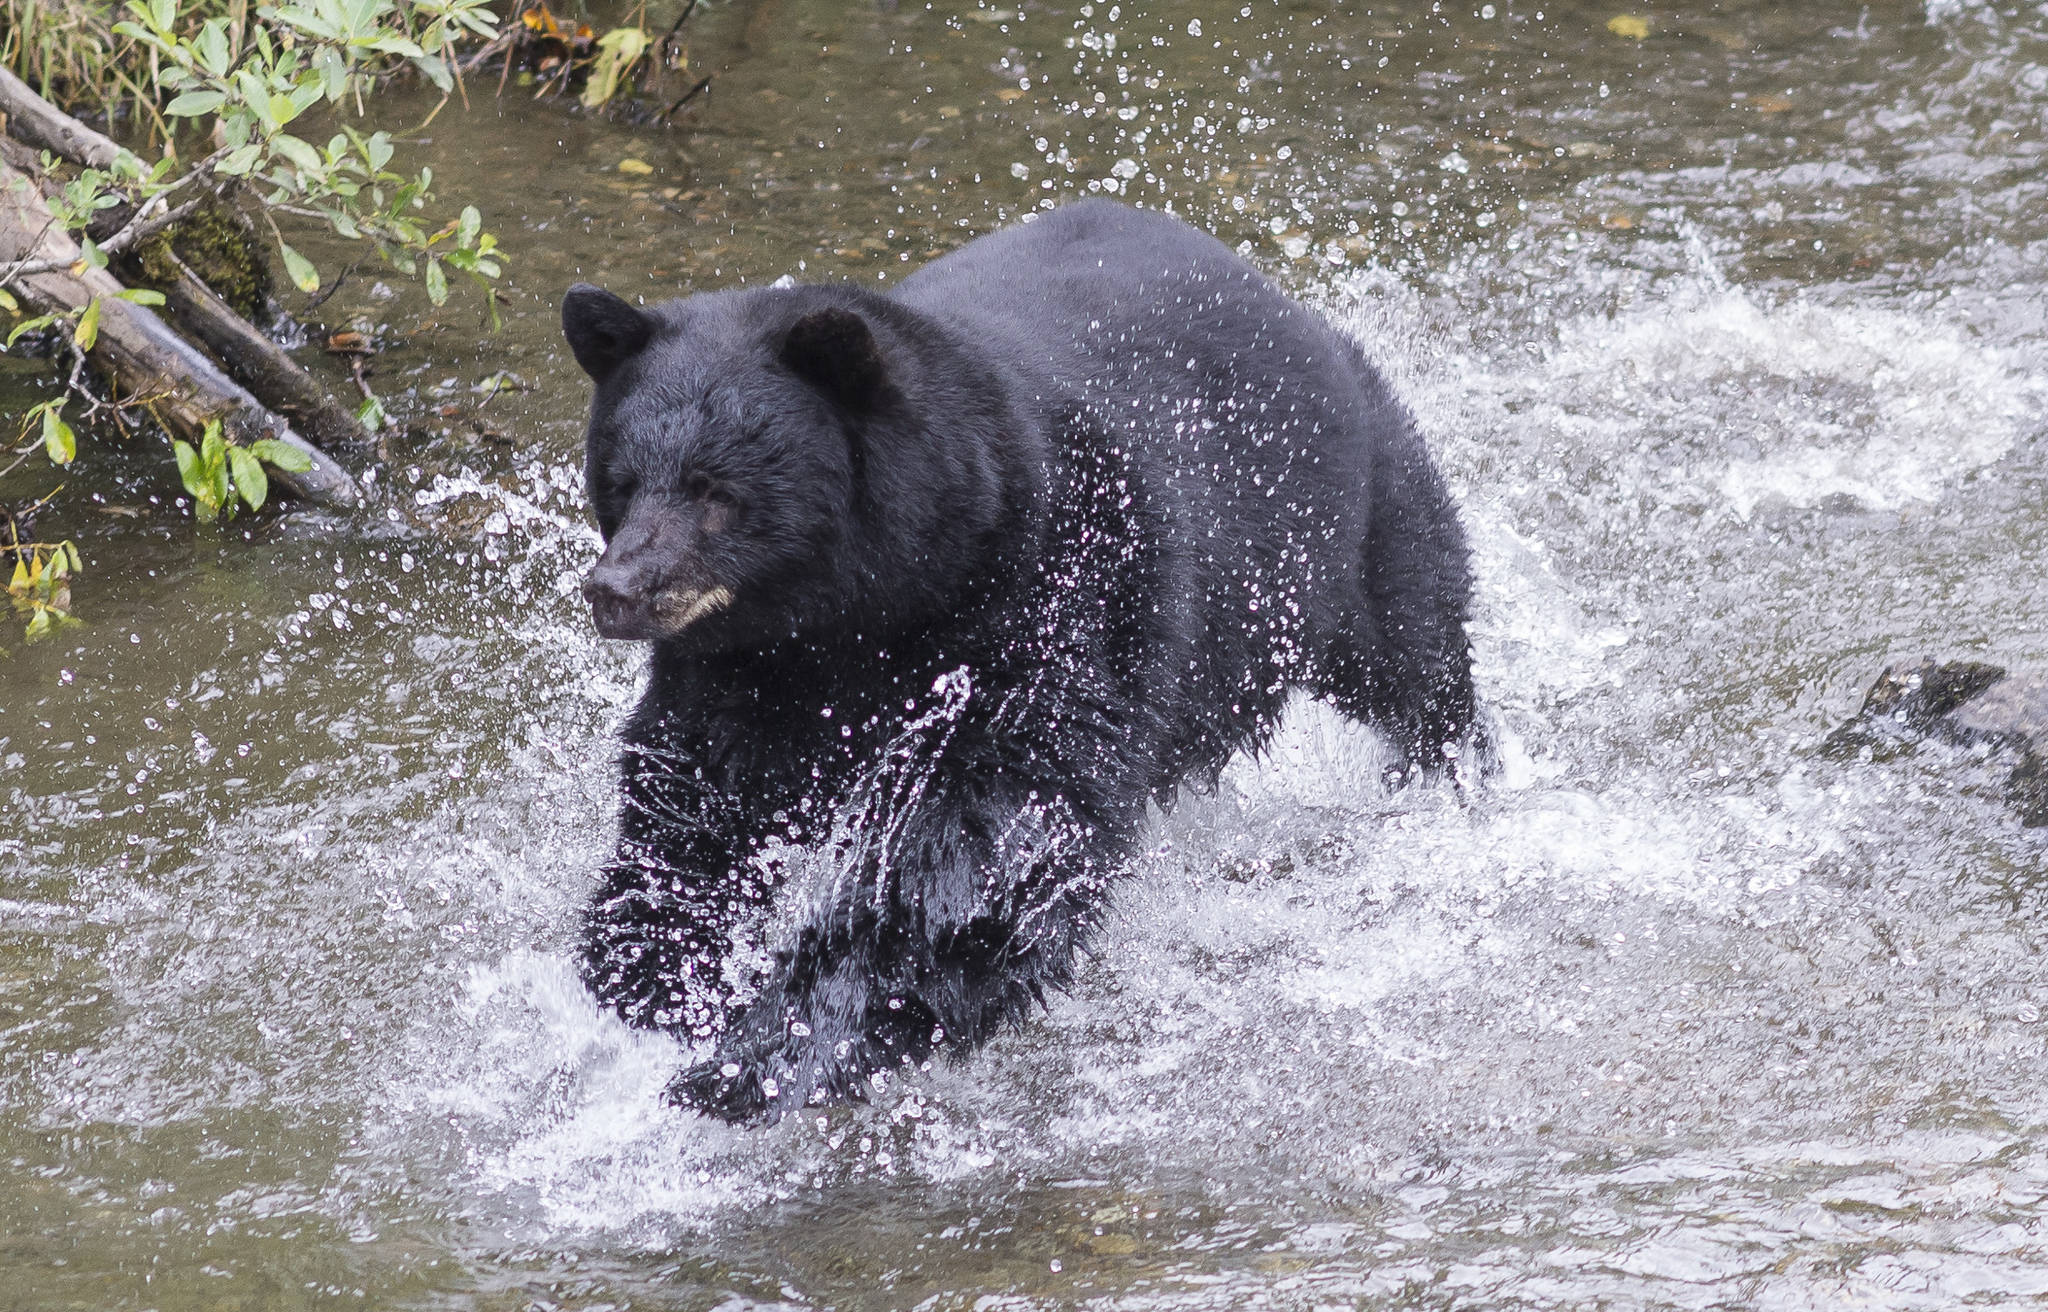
(1966, 703)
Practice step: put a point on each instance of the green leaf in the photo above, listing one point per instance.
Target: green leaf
(333, 73)
(299, 152)
(254, 92)
(617, 51)
(472, 223)
(140, 296)
(435, 70)
(250, 480)
(239, 161)
(212, 47)
(71, 550)
(370, 414)
(213, 449)
(300, 269)
(58, 440)
(437, 281)
(30, 325)
(282, 454)
(87, 331)
(194, 103)
(8, 303)
(188, 466)
(307, 22)
(38, 625)
(89, 251)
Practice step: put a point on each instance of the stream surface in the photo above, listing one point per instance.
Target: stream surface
(1730, 341)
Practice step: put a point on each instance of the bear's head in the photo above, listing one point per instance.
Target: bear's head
(764, 464)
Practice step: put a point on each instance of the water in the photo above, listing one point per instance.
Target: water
(1729, 340)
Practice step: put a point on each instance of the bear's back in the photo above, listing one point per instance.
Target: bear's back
(1194, 354)
(1090, 282)
(1252, 419)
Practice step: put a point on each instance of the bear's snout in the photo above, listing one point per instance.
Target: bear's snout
(651, 581)
(619, 609)
(625, 604)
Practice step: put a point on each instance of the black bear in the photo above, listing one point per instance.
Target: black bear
(943, 584)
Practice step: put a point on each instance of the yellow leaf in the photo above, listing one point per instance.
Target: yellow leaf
(1630, 26)
(638, 167)
(86, 333)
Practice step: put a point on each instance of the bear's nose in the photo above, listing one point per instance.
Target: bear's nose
(619, 609)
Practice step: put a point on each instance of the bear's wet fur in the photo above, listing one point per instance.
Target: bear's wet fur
(943, 584)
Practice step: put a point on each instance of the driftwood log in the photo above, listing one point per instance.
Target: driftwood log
(142, 357)
(34, 121)
(260, 364)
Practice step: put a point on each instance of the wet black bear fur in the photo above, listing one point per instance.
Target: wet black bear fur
(943, 584)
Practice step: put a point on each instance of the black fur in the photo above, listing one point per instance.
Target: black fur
(944, 585)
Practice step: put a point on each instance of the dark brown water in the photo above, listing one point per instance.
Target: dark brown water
(1731, 341)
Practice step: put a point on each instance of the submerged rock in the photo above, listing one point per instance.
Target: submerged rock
(1966, 703)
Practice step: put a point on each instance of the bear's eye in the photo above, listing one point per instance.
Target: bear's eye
(698, 487)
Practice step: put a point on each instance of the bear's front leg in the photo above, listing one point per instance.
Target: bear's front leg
(660, 925)
(949, 929)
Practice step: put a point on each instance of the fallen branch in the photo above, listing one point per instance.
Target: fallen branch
(268, 372)
(259, 363)
(36, 121)
(138, 353)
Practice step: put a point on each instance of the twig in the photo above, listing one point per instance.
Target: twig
(138, 228)
(115, 245)
(19, 269)
(503, 41)
(448, 57)
(21, 454)
(319, 298)
(687, 97)
(358, 371)
(561, 79)
(677, 26)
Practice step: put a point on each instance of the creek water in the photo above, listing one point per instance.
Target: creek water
(1729, 336)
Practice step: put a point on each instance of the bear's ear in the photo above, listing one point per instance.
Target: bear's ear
(834, 351)
(603, 331)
